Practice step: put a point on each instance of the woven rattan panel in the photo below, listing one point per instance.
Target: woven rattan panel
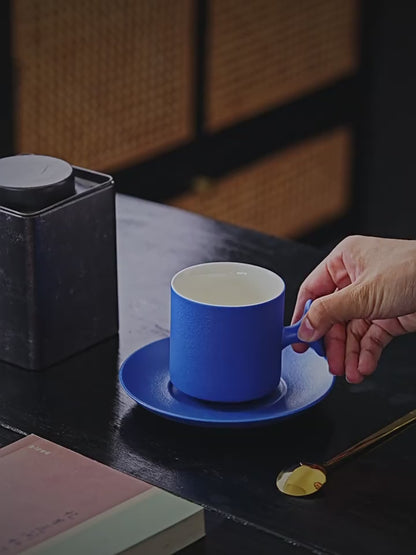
(287, 194)
(102, 83)
(262, 53)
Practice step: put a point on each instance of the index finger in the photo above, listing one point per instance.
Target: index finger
(323, 280)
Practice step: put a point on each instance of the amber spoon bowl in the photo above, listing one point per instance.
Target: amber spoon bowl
(308, 478)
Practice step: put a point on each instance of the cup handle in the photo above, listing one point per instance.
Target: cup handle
(290, 335)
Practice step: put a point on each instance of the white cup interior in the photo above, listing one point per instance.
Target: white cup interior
(227, 284)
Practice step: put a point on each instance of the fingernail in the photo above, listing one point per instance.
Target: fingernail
(306, 331)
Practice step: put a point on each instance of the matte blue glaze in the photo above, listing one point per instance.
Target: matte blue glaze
(145, 377)
(213, 349)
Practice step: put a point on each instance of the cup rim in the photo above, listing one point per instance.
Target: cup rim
(232, 263)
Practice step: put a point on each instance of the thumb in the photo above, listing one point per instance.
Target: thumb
(340, 306)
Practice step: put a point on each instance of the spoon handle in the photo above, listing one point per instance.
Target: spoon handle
(373, 438)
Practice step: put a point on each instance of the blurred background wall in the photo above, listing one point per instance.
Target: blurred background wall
(292, 117)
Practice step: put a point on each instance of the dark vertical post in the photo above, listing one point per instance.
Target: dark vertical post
(388, 142)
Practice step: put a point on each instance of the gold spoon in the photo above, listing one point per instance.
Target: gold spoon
(307, 478)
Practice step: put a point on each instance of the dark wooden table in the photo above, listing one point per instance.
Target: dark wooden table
(368, 505)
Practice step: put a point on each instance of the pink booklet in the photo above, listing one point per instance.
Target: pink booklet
(54, 500)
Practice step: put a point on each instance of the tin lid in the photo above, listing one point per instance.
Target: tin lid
(30, 182)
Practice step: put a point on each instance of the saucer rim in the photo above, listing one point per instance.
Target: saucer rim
(214, 421)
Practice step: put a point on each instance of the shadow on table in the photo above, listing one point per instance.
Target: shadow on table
(73, 398)
(234, 450)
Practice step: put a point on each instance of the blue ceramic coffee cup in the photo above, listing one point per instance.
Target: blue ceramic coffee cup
(227, 331)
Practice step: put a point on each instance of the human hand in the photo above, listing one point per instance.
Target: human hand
(365, 294)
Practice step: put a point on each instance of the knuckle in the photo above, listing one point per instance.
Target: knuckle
(321, 311)
(362, 299)
(304, 290)
(350, 240)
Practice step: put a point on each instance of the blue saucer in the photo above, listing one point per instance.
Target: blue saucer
(145, 377)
